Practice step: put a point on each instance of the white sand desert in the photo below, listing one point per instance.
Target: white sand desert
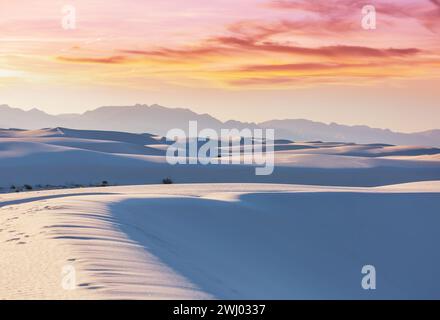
(233, 236)
(66, 157)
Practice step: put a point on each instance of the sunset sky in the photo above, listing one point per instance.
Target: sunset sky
(248, 60)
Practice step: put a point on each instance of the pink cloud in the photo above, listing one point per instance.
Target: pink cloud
(426, 12)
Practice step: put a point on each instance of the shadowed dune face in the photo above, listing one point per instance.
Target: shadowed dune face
(293, 245)
(233, 241)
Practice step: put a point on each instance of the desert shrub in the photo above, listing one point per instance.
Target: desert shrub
(27, 187)
(104, 183)
(13, 187)
(167, 181)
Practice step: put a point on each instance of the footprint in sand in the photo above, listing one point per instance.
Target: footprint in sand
(12, 239)
(84, 284)
(89, 286)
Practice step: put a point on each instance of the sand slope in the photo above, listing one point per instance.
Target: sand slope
(221, 241)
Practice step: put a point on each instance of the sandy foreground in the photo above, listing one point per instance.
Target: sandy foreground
(232, 241)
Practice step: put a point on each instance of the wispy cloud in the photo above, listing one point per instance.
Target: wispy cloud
(92, 60)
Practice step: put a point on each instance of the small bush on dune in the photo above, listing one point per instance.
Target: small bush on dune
(28, 187)
(104, 183)
(167, 181)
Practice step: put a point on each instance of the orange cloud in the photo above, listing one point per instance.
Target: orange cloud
(299, 67)
(181, 53)
(99, 60)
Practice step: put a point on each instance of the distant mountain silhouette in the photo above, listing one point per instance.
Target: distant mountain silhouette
(306, 130)
(157, 119)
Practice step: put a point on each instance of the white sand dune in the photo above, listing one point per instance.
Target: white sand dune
(230, 241)
(305, 231)
(60, 157)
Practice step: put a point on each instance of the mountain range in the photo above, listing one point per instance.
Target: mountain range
(158, 120)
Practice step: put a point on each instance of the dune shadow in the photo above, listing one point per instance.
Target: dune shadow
(294, 245)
